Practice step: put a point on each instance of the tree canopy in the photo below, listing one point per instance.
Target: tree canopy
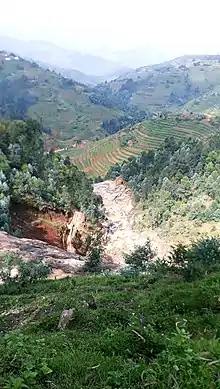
(42, 180)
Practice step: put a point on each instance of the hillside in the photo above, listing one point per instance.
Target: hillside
(84, 68)
(98, 156)
(62, 106)
(183, 83)
(38, 185)
(176, 187)
(139, 332)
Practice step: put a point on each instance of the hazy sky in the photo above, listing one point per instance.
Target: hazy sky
(173, 26)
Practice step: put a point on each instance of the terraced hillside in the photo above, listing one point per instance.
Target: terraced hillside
(97, 157)
(61, 105)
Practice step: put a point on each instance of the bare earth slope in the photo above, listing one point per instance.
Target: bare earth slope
(120, 211)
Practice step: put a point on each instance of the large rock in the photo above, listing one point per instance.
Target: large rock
(33, 249)
(65, 318)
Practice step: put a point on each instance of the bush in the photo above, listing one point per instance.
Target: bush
(93, 263)
(14, 270)
(29, 272)
(139, 259)
(200, 258)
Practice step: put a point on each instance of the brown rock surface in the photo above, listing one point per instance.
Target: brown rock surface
(33, 249)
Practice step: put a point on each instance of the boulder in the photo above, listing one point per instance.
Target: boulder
(65, 318)
(33, 249)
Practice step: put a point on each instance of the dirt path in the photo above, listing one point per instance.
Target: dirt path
(120, 211)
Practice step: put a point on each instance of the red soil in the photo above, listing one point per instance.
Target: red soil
(33, 224)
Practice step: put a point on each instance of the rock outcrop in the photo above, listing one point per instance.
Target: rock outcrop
(65, 318)
(33, 249)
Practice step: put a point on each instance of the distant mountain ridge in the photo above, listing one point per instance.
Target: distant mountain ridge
(84, 68)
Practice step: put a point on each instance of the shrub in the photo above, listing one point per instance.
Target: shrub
(200, 258)
(29, 272)
(6, 266)
(139, 259)
(93, 263)
(14, 270)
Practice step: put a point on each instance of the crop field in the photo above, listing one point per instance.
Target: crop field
(98, 156)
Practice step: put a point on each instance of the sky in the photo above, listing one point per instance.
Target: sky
(177, 27)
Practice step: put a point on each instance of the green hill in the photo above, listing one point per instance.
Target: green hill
(143, 333)
(62, 106)
(184, 83)
(177, 186)
(97, 157)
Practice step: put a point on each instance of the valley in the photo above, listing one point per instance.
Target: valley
(109, 224)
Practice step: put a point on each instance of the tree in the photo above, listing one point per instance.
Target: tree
(140, 258)
(93, 262)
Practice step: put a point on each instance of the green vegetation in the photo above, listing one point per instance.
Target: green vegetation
(40, 180)
(180, 180)
(139, 260)
(62, 106)
(154, 331)
(27, 272)
(98, 156)
(184, 83)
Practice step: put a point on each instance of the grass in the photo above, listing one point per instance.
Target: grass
(132, 339)
(97, 157)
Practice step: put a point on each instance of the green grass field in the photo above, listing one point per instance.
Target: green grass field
(97, 157)
(145, 333)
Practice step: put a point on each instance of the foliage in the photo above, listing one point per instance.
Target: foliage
(181, 178)
(200, 258)
(38, 179)
(93, 262)
(26, 272)
(140, 258)
(158, 333)
(29, 272)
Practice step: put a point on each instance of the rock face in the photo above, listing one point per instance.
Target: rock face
(65, 318)
(32, 249)
(120, 211)
(56, 229)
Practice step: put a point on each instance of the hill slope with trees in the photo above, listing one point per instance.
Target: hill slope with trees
(62, 106)
(189, 82)
(37, 179)
(178, 183)
(98, 156)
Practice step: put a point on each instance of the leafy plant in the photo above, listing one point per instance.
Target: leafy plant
(140, 258)
(196, 260)
(24, 272)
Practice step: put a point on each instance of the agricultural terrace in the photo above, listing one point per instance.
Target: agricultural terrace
(98, 156)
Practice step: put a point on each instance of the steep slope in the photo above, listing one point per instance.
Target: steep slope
(181, 83)
(177, 187)
(97, 157)
(122, 237)
(62, 106)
